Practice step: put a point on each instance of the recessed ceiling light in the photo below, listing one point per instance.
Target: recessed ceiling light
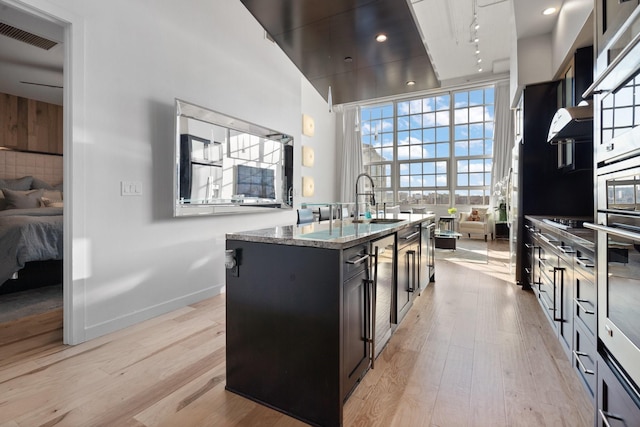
(549, 11)
(479, 60)
(381, 38)
(476, 40)
(477, 26)
(477, 51)
(410, 83)
(479, 70)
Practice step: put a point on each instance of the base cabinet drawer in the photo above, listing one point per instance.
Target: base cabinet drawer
(584, 358)
(618, 401)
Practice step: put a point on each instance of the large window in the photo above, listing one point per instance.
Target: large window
(423, 151)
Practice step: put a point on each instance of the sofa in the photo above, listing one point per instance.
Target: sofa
(476, 222)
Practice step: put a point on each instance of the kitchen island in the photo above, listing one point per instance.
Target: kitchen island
(301, 308)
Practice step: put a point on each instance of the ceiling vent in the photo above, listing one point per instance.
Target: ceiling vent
(26, 37)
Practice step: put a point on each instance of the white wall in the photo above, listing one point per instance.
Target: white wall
(324, 171)
(572, 18)
(128, 259)
(534, 60)
(538, 59)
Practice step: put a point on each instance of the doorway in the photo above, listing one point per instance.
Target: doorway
(32, 70)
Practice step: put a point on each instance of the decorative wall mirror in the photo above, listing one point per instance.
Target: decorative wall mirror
(225, 165)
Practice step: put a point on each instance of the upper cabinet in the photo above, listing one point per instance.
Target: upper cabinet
(576, 77)
(30, 125)
(610, 16)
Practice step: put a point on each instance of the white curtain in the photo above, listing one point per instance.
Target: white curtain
(349, 152)
(503, 138)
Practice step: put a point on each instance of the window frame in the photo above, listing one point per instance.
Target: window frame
(403, 124)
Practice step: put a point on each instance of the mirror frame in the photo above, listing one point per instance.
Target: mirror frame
(284, 193)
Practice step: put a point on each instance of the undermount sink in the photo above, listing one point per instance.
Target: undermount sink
(385, 220)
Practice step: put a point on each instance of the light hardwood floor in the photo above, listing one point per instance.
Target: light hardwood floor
(475, 350)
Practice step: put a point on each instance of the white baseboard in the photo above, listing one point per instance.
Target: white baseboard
(127, 320)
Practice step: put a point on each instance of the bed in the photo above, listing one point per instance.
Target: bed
(31, 226)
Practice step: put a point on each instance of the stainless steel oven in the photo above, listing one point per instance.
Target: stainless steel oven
(616, 103)
(617, 96)
(619, 263)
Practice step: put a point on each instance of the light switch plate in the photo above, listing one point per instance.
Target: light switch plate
(130, 188)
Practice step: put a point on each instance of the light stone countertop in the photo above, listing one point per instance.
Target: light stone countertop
(339, 235)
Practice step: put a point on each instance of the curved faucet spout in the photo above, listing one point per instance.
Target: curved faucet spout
(372, 199)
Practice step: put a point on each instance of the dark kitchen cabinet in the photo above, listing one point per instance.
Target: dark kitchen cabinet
(584, 319)
(610, 15)
(556, 286)
(618, 399)
(301, 319)
(285, 328)
(543, 189)
(357, 298)
(562, 278)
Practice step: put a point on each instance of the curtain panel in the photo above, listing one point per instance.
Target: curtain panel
(349, 150)
(503, 140)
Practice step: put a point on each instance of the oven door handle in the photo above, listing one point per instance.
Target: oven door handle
(611, 76)
(615, 231)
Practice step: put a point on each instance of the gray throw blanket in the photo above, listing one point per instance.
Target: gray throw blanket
(28, 235)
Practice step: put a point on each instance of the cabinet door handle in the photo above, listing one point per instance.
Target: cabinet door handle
(582, 307)
(566, 249)
(585, 262)
(374, 297)
(555, 291)
(411, 270)
(577, 355)
(412, 235)
(357, 260)
(604, 416)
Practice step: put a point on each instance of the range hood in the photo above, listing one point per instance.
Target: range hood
(572, 124)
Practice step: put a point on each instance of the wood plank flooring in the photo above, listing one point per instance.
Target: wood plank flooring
(475, 350)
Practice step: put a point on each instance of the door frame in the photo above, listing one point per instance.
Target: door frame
(75, 247)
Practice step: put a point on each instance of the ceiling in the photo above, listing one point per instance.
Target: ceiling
(333, 43)
(429, 42)
(26, 70)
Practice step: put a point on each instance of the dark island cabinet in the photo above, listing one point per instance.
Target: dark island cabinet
(357, 298)
(305, 318)
(296, 327)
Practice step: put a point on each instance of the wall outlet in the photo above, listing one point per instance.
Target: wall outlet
(130, 188)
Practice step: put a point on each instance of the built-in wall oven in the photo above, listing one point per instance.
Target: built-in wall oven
(619, 263)
(617, 139)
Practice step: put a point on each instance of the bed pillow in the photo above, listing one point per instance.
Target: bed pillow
(38, 183)
(53, 195)
(19, 184)
(48, 203)
(22, 199)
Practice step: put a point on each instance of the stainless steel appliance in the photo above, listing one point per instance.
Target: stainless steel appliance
(619, 262)
(617, 141)
(385, 280)
(427, 255)
(408, 271)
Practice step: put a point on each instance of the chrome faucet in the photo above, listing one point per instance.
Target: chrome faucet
(372, 199)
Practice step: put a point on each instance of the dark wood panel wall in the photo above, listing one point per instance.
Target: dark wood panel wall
(30, 125)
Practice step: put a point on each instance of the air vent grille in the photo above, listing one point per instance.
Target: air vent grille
(26, 37)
